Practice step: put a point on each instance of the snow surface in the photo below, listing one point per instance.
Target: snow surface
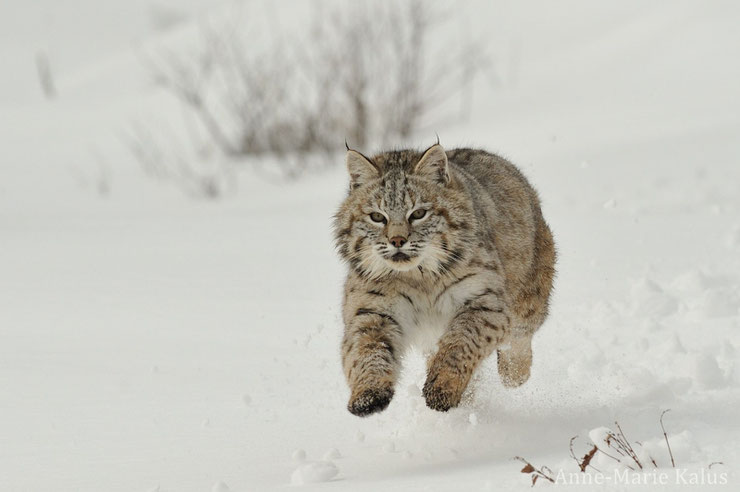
(149, 341)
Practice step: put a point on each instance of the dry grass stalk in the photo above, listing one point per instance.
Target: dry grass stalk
(584, 462)
(536, 473)
(673, 463)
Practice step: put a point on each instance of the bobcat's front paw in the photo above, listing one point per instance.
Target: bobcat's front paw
(442, 391)
(369, 401)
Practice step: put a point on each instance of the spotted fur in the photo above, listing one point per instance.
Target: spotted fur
(471, 276)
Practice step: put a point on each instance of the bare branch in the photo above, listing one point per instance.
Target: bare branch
(536, 473)
(665, 435)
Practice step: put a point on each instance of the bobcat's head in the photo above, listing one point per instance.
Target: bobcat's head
(404, 213)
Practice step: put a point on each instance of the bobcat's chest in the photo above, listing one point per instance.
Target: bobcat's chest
(425, 315)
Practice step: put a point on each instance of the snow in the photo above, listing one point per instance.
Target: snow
(318, 471)
(332, 454)
(152, 341)
(220, 487)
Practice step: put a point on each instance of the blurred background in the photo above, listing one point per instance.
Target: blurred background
(170, 292)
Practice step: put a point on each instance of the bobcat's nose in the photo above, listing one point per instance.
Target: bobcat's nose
(397, 241)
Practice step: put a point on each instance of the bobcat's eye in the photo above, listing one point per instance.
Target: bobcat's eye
(417, 214)
(377, 217)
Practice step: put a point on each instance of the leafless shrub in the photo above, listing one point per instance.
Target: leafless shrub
(362, 71)
(102, 177)
(618, 448)
(46, 78)
(96, 176)
(171, 159)
(619, 443)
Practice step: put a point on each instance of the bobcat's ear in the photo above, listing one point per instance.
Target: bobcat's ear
(433, 164)
(360, 168)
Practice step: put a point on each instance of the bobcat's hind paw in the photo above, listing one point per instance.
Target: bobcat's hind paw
(370, 401)
(514, 367)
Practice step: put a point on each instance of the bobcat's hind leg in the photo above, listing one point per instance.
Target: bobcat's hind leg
(515, 361)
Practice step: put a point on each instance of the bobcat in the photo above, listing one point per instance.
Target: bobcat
(448, 246)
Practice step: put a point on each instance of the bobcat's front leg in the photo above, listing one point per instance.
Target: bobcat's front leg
(477, 329)
(370, 359)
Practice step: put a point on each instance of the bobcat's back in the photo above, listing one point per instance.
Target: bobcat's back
(511, 218)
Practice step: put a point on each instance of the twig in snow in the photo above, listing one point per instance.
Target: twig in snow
(673, 463)
(627, 446)
(543, 472)
(586, 460)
